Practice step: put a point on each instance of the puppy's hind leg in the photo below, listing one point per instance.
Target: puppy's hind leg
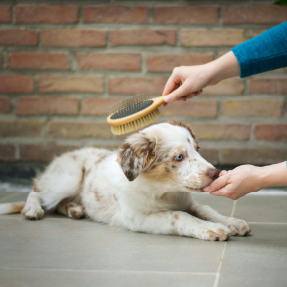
(33, 209)
(72, 209)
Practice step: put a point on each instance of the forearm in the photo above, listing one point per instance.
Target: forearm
(273, 175)
(223, 68)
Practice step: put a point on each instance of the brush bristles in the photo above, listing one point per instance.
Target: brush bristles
(128, 102)
(137, 124)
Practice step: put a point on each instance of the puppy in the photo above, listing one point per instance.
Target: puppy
(145, 186)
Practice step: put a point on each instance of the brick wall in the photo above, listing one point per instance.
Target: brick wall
(63, 64)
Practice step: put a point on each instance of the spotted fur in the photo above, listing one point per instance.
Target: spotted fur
(145, 186)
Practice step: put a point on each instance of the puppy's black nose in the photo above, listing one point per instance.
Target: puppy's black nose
(213, 173)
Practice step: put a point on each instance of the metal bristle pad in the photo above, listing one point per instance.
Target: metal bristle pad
(130, 106)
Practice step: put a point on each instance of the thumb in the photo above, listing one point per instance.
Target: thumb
(217, 184)
(224, 191)
(175, 95)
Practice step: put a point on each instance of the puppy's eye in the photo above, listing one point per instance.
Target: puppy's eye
(178, 158)
(197, 148)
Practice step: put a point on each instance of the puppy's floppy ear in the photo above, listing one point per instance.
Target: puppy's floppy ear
(136, 154)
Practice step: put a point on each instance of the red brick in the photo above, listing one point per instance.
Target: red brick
(16, 84)
(98, 106)
(271, 132)
(136, 85)
(79, 130)
(110, 61)
(46, 14)
(7, 152)
(206, 37)
(186, 15)
(17, 37)
(268, 86)
(71, 84)
(1, 66)
(254, 14)
(232, 86)
(20, 128)
(191, 108)
(73, 38)
(166, 63)
(259, 156)
(47, 106)
(5, 106)
(38, 61)
(115, 14)
(210, 154)
(5, 14)
(218, 131)
(143, 37)
(253, 107)
(43, 152)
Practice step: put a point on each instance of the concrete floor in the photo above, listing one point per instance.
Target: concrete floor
(58, 251)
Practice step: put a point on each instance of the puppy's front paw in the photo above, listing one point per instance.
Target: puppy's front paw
(32, 211)
(214, 232)
(238, 226)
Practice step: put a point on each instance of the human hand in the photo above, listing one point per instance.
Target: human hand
(187, 82)
(237, 182)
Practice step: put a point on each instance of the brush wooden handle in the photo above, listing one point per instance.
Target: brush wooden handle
(158, 101)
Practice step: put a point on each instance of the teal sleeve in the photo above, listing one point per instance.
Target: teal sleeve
(266, 52)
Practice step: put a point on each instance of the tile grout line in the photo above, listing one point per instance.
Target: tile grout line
(223, 252)
(116, 271)
(219, 267)
(233, 208)
(278, 223)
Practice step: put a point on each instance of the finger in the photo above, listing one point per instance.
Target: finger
(226, 191)
(164, 104)
(217, 184)
(223, 172)
(219, 192)
(194, 94)
(172, 84)
(183, 99)
(198, 93)
(175, 95)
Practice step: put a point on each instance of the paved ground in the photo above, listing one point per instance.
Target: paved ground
(58, 251)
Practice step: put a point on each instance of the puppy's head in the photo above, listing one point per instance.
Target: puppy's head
(168, 154)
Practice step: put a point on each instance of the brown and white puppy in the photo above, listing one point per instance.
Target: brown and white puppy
(146, 186)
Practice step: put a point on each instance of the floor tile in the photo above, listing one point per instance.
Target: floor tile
(256, 260)
(60, 278)
(83, 244)
(262, 208)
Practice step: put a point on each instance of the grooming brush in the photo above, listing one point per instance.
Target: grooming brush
(134, 113)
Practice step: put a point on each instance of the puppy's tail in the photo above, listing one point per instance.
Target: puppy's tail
(14, 207)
